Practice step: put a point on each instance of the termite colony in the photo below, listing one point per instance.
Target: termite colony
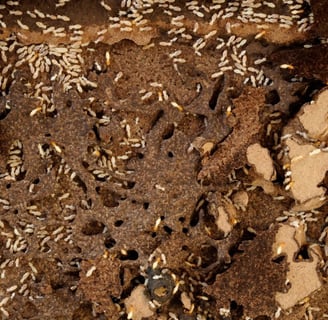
(58, 63)
(51, 64)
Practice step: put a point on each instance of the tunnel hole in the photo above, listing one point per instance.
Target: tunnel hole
(279, 260)
(302, 254)
(247, 235)
(109, 198)
(138, 280)
(237, 310)
(58, 284)
(157, 118)
(85, 164)
(272, 97)
(168, 230)
(185, 230)
(52, 114)
(128, 184)
(21, 176)
(209, 255)
(109, 242)
(4, 113)
(95, 130)
(129, 255)
(80, 183)
(200, 207)
(216, 92)
(118, 223)
(93, 227)
(169, 131)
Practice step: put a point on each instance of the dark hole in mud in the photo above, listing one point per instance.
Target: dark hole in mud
(118, 223)
(93, 227)
(200, 208)
(121, 276)
(109, 242)
(85, 164)
(21, 176)
(129, 255)
(168, 133)
(80, 183)
(247, 235)
(55, 285)
(158, 116)
(279, 260)
(4, 113)
(185, 230)
(96, 132)
(137, 280)
(52, 114)
(236, 310)
(114, 299)
(110, 198)
(216, 92)
(168, 230)
(234, 250)
(272, 97)
(209, 256)
(302, 254)
(128, 184)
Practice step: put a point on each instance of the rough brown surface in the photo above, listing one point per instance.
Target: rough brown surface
(321, 22)
(245, 289)
(124, 177)
(245, 132)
